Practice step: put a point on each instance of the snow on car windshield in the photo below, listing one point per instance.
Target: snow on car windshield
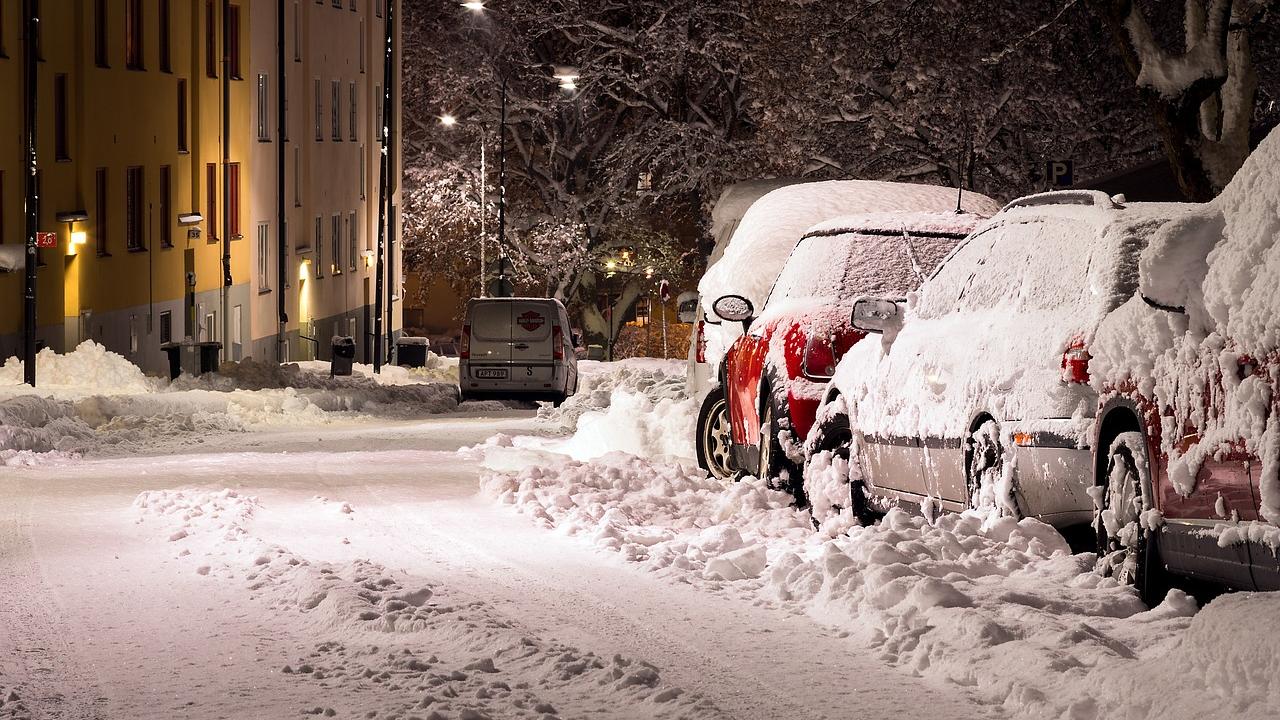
(839, 268)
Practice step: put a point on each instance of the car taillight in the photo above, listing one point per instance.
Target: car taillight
(1075, 364)
(557, 343)
(700, 343)
(464, 351)
(819, 358)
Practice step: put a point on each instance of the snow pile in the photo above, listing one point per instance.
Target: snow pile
(995, 605)
(597, 381)
(405, 645)
(89, 369)
(666, 516)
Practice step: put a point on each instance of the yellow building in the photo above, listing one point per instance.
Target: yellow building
(132, 160)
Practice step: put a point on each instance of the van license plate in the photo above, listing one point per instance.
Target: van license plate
(497, 373)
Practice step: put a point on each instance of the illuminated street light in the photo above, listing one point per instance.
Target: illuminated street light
(568, 77)
(474, 5)
(448, 120)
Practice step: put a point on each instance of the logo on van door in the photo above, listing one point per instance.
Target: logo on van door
(530, 320)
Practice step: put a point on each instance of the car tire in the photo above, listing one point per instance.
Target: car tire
(714, 442)
(834, 436)
(776, 469)
(1126, 547)
(985, 482)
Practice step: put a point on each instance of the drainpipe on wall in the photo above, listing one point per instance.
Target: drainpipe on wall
(31, 17)
(226, 179)
(382, 190)
(283, 241)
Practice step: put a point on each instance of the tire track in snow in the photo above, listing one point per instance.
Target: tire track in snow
(40, 676)
(751, 662)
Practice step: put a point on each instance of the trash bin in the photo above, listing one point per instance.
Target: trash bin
(209, 352)
(174, 353)
(343, 355)
(595, 352)
(411, 352)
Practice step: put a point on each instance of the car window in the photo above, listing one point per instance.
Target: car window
(940, 294)
(1042, 265)
(491, 321)
(837, 268)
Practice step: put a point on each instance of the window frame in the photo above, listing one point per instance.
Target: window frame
(165, 179)
(134, 35)
(184, 140)
(264, 107)
(102, 213)
(61, 119)
(135, 197)
(211, 200)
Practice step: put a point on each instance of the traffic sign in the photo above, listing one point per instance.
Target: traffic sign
(47, 239)
(1061, 173)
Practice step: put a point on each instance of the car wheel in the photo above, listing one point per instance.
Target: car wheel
(1123, 499)
(987, 479)
(829, 475)
(714, 440)
(776, 468)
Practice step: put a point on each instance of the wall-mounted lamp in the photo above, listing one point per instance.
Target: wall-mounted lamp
(77, 237)
(368, 259)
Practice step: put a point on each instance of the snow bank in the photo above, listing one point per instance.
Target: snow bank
(89, 369)
(406, 646)
(997, 606)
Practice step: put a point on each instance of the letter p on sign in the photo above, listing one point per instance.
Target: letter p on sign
(1061, 173)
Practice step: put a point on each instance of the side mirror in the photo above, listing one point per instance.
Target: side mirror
(734, 308)
(877, 315)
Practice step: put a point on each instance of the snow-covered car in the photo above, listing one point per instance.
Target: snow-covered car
(774, 374)
(1188, 439)
(754, 239)
(977, 394)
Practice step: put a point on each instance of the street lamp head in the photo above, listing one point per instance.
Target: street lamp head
(474, 5)
(568, 77)
(448, 120)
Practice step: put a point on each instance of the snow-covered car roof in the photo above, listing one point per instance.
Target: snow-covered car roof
(773, 225)
(922, 222)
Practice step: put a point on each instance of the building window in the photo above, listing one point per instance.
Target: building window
(166, 206)
(182, 116)
(297, 177)
(319, 111)
(378, 107)
(133, 34)
(335, 96)
(233, 200)
(284, 108)
(166, 48)
(319, 248)
(210, 40)
(297, 32)
(233, 41)
(1, 205)
(100, 214)
(335, 235)
(353, 235)
(363, 51)
(211, 200)
(353, 119)
(134, 194)
(353, 6)
(166, 327)
(264, 257)
(264, 109)
(364, 174)
(100, 54)
(62, 149)
(377, 7)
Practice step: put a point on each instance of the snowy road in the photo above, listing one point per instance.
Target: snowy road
(304, 592)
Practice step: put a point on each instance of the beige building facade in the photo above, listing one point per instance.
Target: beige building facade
(158, 173)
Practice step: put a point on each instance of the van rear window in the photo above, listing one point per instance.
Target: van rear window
(491, 321)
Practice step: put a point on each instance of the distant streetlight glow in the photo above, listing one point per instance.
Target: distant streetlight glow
(474, 5)
(568, 77)
(448, 120)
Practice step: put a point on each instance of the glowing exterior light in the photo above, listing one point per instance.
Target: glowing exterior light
(474, 5)
(448, 120)
(611, 264)
(568, 77)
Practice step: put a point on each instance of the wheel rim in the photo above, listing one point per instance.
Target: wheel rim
(766, 443)
(1119, 523)
(985, 463)
(716, 441)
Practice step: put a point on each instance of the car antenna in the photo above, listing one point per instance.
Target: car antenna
(960, 173)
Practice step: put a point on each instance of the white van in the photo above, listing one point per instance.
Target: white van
(520, 348)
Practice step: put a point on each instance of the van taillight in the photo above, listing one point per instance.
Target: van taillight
(464, 352)
(700, 343)
(820, 359)
(557, 343)
(1075, 364)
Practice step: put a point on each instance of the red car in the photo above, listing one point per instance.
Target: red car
(1187, 468)
(774, 375)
